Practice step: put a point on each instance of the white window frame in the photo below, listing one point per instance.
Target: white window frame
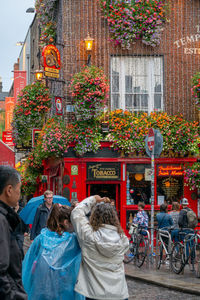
(120, 60)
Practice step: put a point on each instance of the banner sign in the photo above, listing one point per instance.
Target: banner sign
(51, 56)
(9, 107)
(169, 170)
(103, 171)
(59, 106)
(19, 82)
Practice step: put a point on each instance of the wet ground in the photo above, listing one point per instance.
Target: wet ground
(143, 291)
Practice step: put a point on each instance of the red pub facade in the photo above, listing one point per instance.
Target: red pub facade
(124, 179)
(142, 78)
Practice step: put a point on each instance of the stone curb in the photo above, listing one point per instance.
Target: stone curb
(164, 281)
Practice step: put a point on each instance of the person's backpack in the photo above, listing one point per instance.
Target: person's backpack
(192, 219)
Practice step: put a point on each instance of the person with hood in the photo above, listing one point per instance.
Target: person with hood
(11, 287)
(103, 244)
(51, 265)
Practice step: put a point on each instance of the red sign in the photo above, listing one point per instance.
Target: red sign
(170, 170)
(7, 138)
(7, 157)
(52, 63)
(59, 107)
(19, 82)
(151, 139)
(9, 107)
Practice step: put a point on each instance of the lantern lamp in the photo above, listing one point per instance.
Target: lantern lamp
(39, 75)
(88, 43)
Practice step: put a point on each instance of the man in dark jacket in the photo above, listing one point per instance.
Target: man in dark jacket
(183, 224)
(10, 257)
(42, 214)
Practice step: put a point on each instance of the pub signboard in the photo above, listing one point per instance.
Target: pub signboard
(103, 171)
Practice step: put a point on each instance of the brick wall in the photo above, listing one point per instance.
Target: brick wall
(180, 41)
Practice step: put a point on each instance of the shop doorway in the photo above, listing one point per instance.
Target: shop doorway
(106, 190)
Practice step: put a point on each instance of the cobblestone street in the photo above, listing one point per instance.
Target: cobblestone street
(142, 291)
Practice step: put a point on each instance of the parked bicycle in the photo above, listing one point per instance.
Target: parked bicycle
(138, 245)
(186, 252)
(163, 247)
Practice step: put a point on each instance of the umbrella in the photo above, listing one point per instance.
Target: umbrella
(27, 214)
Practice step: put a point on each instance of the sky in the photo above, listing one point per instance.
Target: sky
(14, 24)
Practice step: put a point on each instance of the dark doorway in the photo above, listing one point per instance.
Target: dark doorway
(103, 190)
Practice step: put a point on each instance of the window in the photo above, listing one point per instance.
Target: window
(137, 83)
(138, 184)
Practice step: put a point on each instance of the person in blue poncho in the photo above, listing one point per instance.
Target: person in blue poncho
(51, 265)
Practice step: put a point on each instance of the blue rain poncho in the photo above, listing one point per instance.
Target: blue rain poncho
(51, 265)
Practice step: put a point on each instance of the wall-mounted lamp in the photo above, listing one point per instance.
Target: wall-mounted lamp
(38, 75)
(19, 43)
(30, 10)
(88, 45)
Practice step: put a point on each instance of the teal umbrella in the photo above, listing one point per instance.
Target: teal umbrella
(27, 214)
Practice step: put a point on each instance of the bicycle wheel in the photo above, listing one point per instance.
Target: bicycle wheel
(177, 258)
(197, 260)
(141, 251)
(159, 253)
(129, 255)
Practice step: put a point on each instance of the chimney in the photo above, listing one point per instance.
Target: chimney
(1, 85)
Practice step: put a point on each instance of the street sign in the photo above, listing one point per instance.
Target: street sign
(158, 144)
(151, 139)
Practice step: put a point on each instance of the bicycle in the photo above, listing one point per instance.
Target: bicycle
(138, 245)
(183, 250)
(163, 246)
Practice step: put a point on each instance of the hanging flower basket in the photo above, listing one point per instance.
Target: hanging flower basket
(192, 176)
(32, 106)
(196, 89)
(45, 13)
(131, 20)
(89, 90)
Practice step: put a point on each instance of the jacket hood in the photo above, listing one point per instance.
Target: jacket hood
(108, 241)
(50, 239)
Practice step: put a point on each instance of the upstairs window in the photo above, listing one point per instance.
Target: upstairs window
(137, 83)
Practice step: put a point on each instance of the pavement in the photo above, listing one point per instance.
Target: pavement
(186, 282)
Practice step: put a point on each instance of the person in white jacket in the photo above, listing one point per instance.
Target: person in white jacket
(103, 244)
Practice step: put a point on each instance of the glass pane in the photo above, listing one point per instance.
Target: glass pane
(157, 65)
(115, 101)
(144, 101)
(115, 84)
(142, 82)
(157, 101)
(136, 101)
(128, 84)
(128, 101)
(157, 87)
